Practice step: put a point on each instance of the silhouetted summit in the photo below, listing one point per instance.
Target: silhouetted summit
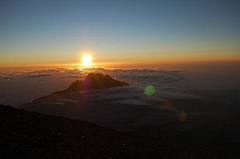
(95, 81)
(91, 82)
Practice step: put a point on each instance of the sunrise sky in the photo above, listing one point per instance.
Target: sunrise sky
(59, 31)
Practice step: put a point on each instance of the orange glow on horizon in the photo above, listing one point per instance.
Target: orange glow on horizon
(121, 63)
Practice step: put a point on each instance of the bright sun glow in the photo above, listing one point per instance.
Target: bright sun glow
(87, 60)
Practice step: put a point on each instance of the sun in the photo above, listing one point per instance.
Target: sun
(87, 60)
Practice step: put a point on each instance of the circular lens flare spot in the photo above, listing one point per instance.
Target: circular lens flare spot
(87, 60)
(149, 90)
(182, 116)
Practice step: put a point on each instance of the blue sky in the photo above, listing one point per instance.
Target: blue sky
(57, 31)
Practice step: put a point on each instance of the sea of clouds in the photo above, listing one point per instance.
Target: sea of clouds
(21, 86)
(18, 87)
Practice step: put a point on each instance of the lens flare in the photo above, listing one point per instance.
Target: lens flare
(149, 90)
(182, 116)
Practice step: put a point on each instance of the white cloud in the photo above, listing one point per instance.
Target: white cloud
(37, 75)
(129, 102)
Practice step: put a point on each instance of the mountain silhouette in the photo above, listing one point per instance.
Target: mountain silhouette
(94, 81)
(50, 104)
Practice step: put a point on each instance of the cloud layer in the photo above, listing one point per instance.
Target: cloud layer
(27, 84)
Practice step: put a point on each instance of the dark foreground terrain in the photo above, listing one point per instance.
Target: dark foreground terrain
(26, 134)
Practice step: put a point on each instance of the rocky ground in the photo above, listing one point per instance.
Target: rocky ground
(26, 134)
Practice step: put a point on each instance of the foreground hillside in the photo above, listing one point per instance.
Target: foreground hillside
(26, 134)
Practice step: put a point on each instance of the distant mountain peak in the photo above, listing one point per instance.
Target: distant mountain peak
(92, 81)
(95, 81)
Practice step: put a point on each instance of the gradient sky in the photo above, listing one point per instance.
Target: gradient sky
(58, 31)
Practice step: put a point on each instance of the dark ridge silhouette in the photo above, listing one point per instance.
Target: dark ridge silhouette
(95, 81)
(92, 81)
(26, 134)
